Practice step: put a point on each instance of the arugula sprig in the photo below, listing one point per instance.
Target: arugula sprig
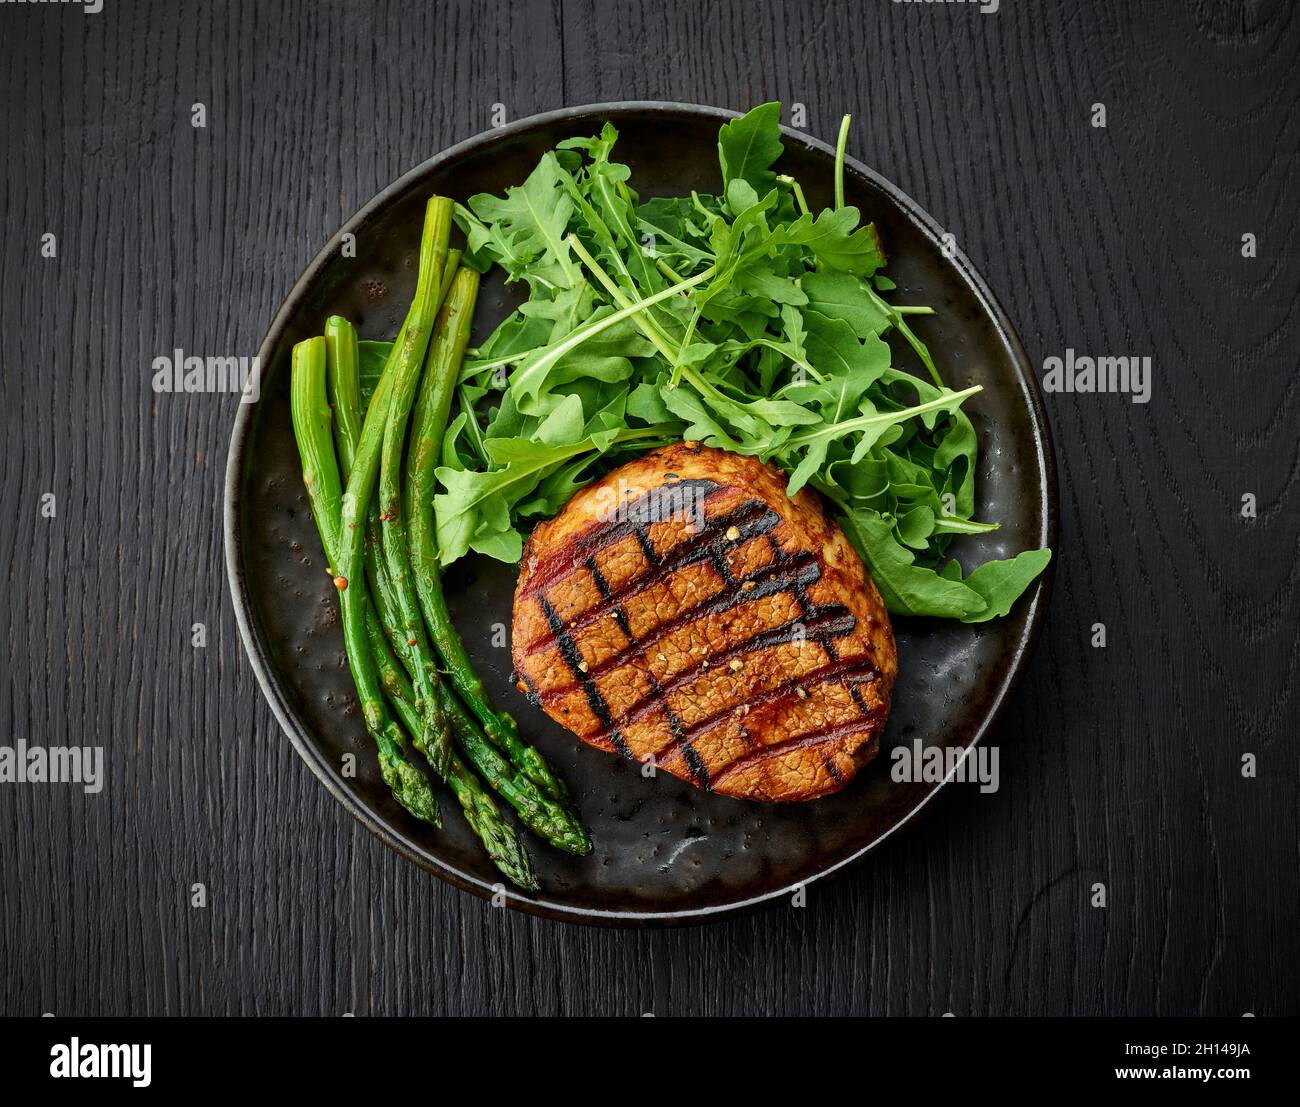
(744, 320)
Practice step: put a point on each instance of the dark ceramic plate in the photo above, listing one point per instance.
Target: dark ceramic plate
(665, 853)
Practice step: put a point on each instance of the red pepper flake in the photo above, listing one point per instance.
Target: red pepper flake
(340, 583)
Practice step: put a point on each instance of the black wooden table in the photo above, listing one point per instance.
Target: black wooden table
(1122, 764)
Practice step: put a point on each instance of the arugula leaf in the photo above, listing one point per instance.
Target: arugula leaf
(851, 366)
(701, 423)
(1001, 583)
(748, 147)
(676, 238)
(812, 462)
(524, 231)
(836, 294)
(907, 588)
(835, 240)
(529, 381)
(474, 512)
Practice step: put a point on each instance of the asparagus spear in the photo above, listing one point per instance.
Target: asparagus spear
(553, 820)
(345, 384)
(396, 546)
(345, 399)
(498, 837)
(344, 388)
(428, 426)
(311, 424)
(399, 378)
(448, 274)
(545, 816)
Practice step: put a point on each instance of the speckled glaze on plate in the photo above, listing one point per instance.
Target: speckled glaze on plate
(665, 853)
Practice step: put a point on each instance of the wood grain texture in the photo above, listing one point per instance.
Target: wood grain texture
(1120, 765)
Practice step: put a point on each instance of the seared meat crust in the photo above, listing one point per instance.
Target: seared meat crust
(685, 608)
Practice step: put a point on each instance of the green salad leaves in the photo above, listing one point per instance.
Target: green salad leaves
(742, 320)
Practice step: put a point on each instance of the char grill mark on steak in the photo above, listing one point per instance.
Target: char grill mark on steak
(681, 741)
(602, 586)
(530, 691)
(780, 749)
(833, 619)
(751, 519)
(628, 522)
(833, 654)
(847, 671)
(785, 574)
(595, 699)
(646, 547)
(844, 671)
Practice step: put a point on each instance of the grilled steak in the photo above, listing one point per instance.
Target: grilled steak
(685, 608)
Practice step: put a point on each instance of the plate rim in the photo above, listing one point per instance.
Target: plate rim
(395, 839)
